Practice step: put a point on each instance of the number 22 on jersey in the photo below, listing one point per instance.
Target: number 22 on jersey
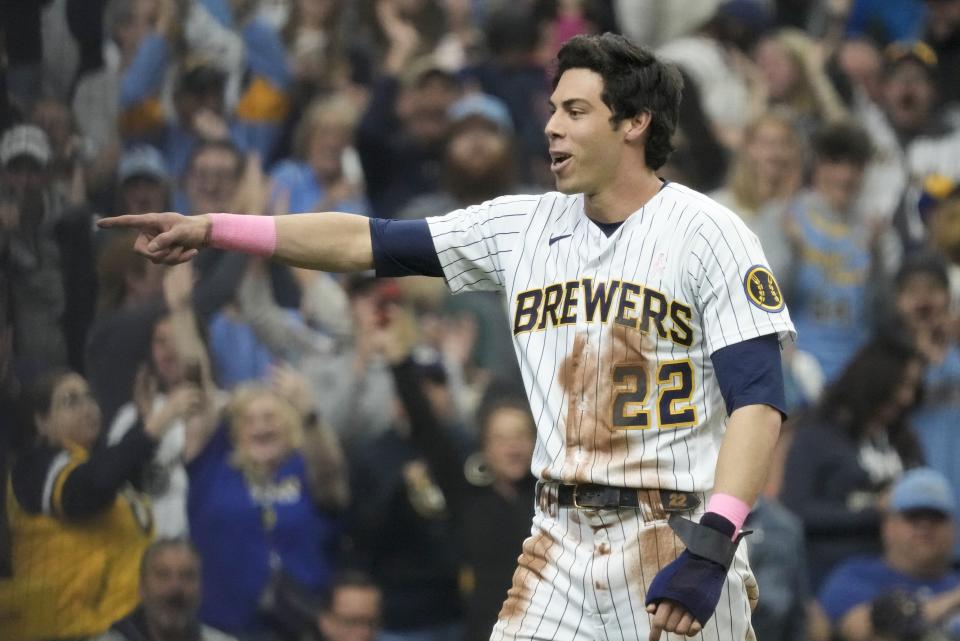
(632, 406)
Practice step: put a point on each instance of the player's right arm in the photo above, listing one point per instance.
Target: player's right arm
(328, 241)
(468, 247)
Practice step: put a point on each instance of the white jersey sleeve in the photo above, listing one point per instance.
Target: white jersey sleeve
(474, 245)
(735, 293)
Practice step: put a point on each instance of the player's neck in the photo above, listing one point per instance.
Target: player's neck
(622, 196)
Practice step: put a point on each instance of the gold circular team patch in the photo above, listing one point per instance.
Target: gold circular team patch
(762, 289)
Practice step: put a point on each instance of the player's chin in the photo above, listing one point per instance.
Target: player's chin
(567, 186)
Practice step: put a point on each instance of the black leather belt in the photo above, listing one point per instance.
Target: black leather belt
(597, 497)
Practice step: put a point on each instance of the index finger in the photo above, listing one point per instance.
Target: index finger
(127, 220)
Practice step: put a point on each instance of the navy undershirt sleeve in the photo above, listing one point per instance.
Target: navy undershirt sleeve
(403, 248)
(750, 373)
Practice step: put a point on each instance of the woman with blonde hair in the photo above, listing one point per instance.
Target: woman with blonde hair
(791, 65)
(324, 173)
(265, 495)
(765, 174)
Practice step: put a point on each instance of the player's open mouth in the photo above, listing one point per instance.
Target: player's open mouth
(559, 160)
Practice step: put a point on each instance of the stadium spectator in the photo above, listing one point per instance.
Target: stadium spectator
(170, 592)
(423, 24)
(400, 135)
(488, 498)
(176, 357)
(860, 65)
(316, 180)
(833, 253)
(78, 525)
(218, 179)
(130, 302)
(329, 344)
(795, 78)
(49, 261)
(912, 589)
(922, 302)
(912, 138)
(513, 72)
(264, 501)
(402, 523)
(848, 450)
(96, 99)
(233, 88)
(351, 609)
(478, 160)
(143, 183)
(715, 55)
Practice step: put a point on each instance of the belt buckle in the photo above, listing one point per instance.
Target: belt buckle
(593, 489)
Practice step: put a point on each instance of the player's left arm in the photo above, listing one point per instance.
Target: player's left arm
(750, 375)
(684, 594)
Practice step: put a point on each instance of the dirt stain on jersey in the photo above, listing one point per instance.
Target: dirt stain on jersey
(529, 573)
(586, 375)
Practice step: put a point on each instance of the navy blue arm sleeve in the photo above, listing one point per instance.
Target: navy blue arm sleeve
(750, 373)
(403, 248)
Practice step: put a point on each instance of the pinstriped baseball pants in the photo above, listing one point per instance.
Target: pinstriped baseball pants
(583, 576)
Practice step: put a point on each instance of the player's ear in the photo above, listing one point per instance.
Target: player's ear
(638, 126)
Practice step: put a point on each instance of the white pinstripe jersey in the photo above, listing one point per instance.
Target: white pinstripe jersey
(614, 334)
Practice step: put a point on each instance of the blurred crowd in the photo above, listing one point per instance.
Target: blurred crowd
(233, 449)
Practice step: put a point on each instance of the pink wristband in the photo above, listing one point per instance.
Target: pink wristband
(730, 508)
(255, 235)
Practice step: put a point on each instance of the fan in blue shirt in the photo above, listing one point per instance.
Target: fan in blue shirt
(917, 560)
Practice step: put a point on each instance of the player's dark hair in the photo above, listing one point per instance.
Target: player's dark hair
(349, 578)
(870, 380)
(634, 82)
(165, 543)
(842, 142)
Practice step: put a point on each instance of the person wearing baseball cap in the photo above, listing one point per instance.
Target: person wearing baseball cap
(24, 156)
(917, 564)
(914, 135)
(478, 157)
(143, 182)
(46, 251)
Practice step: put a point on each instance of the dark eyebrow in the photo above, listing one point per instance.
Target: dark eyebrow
(574, 102)
(570, 103)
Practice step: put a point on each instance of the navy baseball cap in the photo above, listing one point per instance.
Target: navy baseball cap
(923, 488)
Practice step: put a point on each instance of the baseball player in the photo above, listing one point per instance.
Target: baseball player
(647, 326)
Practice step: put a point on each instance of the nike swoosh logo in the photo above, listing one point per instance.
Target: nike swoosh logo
(556, 238)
